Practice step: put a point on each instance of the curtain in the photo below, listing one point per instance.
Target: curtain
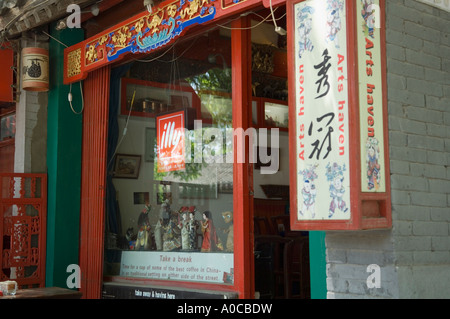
(113, 224)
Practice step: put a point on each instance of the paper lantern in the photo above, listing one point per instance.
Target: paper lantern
(35, 73)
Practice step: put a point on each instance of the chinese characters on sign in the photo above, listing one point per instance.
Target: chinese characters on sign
(370, 97)
(321, 101)
(170, 142)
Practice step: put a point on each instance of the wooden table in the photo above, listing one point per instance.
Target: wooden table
(45, 293)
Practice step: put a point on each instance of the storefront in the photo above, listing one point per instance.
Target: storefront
(189, 142)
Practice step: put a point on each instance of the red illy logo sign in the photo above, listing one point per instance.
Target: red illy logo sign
(170, 141)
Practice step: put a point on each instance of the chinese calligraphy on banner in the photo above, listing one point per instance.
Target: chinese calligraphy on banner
(321, 101)
(170, 142)
(370, 96)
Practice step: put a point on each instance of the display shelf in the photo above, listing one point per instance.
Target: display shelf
(148, 99)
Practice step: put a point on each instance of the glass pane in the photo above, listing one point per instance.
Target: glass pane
(176, 215)
(276, 115)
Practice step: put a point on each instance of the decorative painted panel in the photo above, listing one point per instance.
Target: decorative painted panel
(144, 33)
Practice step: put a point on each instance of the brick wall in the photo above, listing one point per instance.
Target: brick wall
(414, 257)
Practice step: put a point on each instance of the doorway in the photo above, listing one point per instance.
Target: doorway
(281, 255)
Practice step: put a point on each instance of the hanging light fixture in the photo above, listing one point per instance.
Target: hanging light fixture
(35, 69)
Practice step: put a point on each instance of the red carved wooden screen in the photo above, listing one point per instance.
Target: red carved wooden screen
(23, 214)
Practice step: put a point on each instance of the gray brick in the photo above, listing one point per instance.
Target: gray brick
(402, 228)
(438, 158)
(423, 59)
(423, 115)
(428, 199)
(398, 10)
(438, 103)
(400, 197)
(425, 142)
(395, 109)
(394, 51)
(426, 87)
(399, 167)
(412, 213)
(440, 243)
(440, 214)
(398, 138)
(408, 154)
(412, 243)
(422, 32)
(436, 130)
(427, 170)
(405, 182)
(431, 257)
(405, 69)
(421, 228)
(406, 125)
(440, 185)
(396, 81)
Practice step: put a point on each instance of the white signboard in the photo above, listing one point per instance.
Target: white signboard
(321, 101)
(370, 96)
(192, 266)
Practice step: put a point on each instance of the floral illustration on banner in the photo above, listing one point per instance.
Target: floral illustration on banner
(335, 175)
(369, 17)
(304, 30)
(334, 21)
(373, 168)
(309, 190)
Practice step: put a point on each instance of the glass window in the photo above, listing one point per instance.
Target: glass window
(173, 202)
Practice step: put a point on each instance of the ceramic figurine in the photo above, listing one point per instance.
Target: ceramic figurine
(144, 239)
(171, 236)
(192, 227)
(211, 242)
(228, 219)
(184, 226)
(162, 222)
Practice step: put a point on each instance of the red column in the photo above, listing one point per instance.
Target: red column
(243, 178)
(93, 181)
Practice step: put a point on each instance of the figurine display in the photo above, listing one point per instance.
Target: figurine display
(211, 242)
(228, 219)
(172, 234)
(179, 231)
(144, 238)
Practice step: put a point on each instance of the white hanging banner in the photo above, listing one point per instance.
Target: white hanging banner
(321, 102)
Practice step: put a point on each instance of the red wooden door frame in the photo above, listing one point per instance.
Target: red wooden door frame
(243, 172)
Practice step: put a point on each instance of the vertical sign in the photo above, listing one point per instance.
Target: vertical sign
(170, 142)
(370, 96)
(321, 104)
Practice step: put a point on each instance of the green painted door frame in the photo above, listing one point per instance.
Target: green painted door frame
(317, 255)
(64, 133)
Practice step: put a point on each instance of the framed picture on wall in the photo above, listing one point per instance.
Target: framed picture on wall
(127, 166)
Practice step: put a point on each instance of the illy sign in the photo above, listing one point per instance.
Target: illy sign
(170, 141)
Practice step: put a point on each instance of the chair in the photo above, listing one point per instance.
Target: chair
(262, 226)
(296, 268)
(270, 266)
